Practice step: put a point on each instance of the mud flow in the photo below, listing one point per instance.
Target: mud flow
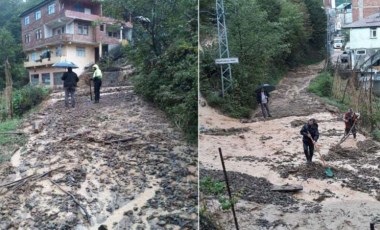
(118, 164)
(268, 152)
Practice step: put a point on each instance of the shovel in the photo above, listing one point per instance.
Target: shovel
(328, 171)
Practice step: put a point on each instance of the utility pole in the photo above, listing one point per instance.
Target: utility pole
(224, 54)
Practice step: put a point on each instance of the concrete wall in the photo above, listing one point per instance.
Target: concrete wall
(360, 38)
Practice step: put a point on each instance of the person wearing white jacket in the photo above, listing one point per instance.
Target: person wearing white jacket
(97, 78)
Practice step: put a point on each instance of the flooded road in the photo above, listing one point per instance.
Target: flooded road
(261, 153)
(118, 164)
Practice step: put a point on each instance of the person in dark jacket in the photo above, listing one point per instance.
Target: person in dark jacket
(70, 80)
(350, 119)
(262, 98)
(310, 135)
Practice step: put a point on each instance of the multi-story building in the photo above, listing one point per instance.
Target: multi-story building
(76, 31)
(364, 8)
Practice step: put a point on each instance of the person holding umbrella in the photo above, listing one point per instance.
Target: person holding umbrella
(70, 80)
(97, 78)
(262, 98)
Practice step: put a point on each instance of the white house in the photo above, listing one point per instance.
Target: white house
(365, 41)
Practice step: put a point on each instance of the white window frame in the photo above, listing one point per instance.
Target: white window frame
(357, 52)
(38, 15)
(51, 8)
(373, 33)
(38, 34)
(27, 38)
(26, 20)
(82, 28)
(81, 51)
(34, 56)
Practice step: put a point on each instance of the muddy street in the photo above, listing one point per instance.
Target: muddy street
(118, 164)
(261, 153)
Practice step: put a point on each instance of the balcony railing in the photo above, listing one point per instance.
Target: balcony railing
(44, 62)
(59, 39)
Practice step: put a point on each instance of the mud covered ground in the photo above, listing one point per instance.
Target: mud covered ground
(269, 152)
(118, 164)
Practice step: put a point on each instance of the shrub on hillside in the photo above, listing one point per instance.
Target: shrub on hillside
(322, 85)
(24, 99)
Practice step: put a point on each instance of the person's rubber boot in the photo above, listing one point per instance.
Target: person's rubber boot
(354, 135)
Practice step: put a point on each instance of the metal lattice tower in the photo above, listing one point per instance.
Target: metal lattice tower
(225, 69)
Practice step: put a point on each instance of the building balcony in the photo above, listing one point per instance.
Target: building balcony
(60, 39)
(44, 62)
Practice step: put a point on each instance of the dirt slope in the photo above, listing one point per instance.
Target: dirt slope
(147, 180)
(265, 153)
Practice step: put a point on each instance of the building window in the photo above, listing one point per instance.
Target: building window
(34, 56)
(27, 38)
(26, 20)
(58, 51)
(81, 52)
(373, 33)
(46, 78)
(38, 34)
(51, 9)
(59, 30)
(35, 79)
(38, 14)
(360, 52)
(83, 29)
(57, 78)
(101, 27)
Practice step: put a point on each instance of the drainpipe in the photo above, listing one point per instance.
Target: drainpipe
(100, 50)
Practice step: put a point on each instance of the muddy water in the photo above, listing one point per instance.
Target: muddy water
(138, 202)
(274, 143)
(146, 183)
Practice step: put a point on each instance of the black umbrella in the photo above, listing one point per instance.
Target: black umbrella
(266, 87)
(65, 64)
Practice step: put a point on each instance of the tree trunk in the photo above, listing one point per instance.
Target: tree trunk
(8, 89)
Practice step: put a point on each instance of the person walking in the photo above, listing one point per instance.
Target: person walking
(262, 98)
(70, 80)
(310, 135)
(350, 119)
(97, 78)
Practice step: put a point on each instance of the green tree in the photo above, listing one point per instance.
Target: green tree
(164, 52)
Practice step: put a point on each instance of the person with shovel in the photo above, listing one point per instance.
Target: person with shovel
(310, 135)
(350, 119)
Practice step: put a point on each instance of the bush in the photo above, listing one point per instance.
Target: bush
(24, 99)
(27, 97)
(322, 85)
(376, 134)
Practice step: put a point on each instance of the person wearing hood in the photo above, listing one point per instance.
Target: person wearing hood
(310, 135)
(70, 80)
(97, 78)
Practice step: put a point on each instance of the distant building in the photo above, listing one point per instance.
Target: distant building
(76, 31)
(364, 8)
(343, 15)
(365, 42)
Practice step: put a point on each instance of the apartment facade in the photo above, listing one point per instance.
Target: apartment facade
(76, 31)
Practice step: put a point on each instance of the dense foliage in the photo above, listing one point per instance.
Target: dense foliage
(164, 52)
(268, 37)
(10, 40)
(24, 99)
